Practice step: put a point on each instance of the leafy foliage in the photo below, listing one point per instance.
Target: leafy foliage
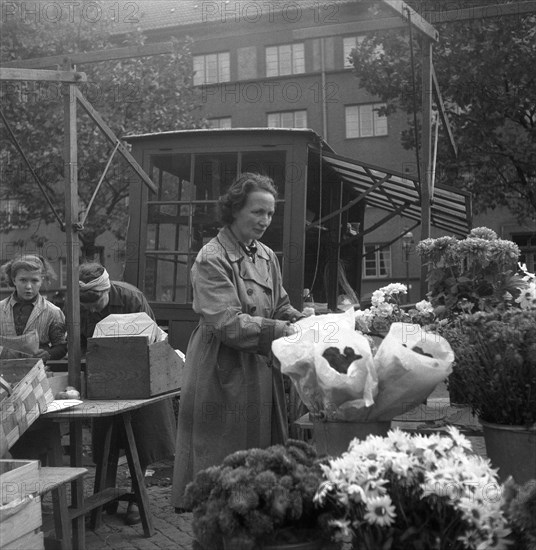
(496, 364)
(520, 509)
(472, 274)
(483, 67)
(137, 95)
(254, 495)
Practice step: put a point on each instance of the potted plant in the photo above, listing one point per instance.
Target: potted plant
(477, 273)
(488, 316)
(496, 354)
(473, 274)
(259, 498)
(408, 491)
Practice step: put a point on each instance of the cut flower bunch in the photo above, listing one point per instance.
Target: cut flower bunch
(407, 492)
(386, 309)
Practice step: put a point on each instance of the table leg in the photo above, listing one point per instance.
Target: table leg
(62, 523)
(102, 474)
(138, 481)
(77, 487)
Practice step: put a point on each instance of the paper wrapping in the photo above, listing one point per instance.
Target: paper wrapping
(129, 324)
(397, 379)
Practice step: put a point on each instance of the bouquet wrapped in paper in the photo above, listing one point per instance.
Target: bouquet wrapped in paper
(336, 376)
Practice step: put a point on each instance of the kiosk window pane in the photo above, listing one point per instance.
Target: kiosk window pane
(166, 277)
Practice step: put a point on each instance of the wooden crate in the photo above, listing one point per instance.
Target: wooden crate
(20, 512)
(128, 367)
(20, 524)
(28, 399)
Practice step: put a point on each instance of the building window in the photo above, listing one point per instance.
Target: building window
(285, 59)
(287, 119)
(12, 213)
(222, 122)
(527, 246)
(376, 261)
(350, 43)
(364, 121)
(212, 68)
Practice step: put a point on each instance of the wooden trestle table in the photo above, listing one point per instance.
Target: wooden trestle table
(118, 412)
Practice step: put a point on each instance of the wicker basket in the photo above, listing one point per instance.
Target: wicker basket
(30, 397)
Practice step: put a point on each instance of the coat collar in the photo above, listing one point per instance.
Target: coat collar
(233, 248)
(39, 307)
(258, 271)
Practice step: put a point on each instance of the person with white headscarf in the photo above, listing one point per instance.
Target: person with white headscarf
(154, 426)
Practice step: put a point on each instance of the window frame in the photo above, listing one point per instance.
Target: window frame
(379, 250)
(376, 121)
(222, 65)
(527, 246)
(297, 59)
(219, 121)
(157, 206)
(280, 114)
(356, 41)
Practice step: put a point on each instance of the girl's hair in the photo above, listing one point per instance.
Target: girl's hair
(88, 272)
(237, 194)
(29, 262)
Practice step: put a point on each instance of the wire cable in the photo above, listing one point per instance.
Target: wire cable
(30, 168)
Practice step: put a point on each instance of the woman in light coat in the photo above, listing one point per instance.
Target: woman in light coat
(232, 397)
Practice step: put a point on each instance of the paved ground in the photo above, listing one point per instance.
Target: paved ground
(174, 531)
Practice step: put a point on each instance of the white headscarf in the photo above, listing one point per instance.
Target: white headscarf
(99, 284)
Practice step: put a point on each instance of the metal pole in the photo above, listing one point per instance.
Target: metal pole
(406, 259)
(426, 144)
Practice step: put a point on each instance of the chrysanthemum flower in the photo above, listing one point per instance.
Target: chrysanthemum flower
(380, 511)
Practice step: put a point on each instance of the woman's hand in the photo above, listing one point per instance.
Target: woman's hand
(290, 329)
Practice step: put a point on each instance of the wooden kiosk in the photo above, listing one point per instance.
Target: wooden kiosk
(320, 193)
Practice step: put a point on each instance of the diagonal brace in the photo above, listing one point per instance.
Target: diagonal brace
(83, 221)
(107, 131)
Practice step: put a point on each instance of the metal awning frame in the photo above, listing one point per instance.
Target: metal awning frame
(396, 193)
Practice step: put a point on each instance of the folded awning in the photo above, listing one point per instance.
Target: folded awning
(450, 210)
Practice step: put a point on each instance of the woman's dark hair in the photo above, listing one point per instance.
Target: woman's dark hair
(237, 194)
(88, 272)
(29, 262)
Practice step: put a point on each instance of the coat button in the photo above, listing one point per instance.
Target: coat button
(267, 291)
(250, 291)
(253, 309)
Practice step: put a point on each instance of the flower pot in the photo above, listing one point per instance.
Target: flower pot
(333, 438)
(310, 542)
(511, 449)
(305, 545)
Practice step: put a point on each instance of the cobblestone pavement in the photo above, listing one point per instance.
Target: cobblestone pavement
(174, 531)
